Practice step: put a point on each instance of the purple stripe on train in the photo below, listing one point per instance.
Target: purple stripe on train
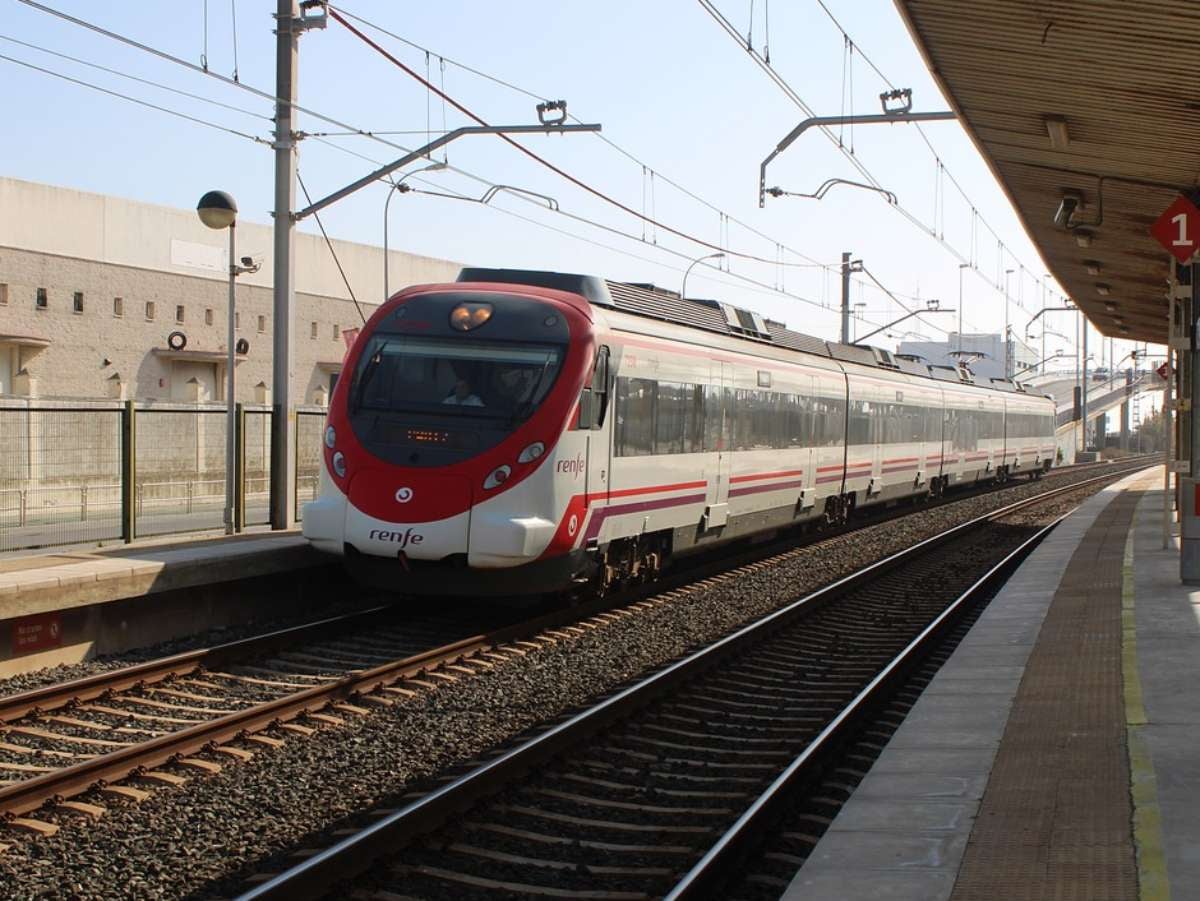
(603, 513)
(755, 489)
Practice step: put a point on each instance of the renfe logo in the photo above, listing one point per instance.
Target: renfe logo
(404, 539)
(574, 467)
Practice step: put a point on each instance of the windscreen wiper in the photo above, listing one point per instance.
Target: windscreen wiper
(525, 409)
(365, 379)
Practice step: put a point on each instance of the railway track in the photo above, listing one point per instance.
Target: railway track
(657, 789)
(127, 731)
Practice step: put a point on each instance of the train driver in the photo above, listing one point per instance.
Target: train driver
(463, 396)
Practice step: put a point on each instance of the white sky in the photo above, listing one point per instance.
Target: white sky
(669, 86)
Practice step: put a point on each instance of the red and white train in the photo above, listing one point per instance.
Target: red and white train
(520, 432)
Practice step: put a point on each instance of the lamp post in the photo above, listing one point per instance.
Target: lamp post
(218, 210)
(711, 256)
(396, 186)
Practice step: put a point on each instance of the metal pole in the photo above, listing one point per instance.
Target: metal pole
(128, 472)
(846, 297)
(961, 267)
(688, 271)
(1007, 273)
(386, 204)
(283, 458)
(1084, 389)
(230, 395)
(1078, 365)
(1168, 426)
(239, 496)
(1194, 373)
(1043, 321)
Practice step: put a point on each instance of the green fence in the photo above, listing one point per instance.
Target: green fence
(97, 473)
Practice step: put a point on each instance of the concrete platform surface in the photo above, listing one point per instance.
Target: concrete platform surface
(59, 581)
(906, 831)
(68, 606)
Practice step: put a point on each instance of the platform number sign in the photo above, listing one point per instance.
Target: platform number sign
(1178, 229)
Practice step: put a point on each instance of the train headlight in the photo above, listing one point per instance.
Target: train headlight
(467, 316)
(532, 452)
(330, 437)
(339, 465)
(498, 477)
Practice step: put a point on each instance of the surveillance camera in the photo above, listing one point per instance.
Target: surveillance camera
(1065, 215)
(247, 261)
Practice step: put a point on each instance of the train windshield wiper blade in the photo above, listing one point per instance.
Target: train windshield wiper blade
(525, 409)
(365, 379)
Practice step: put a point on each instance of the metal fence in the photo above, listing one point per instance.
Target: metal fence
(74, 474)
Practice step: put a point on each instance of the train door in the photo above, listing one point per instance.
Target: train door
(718, 408)
(600, 432)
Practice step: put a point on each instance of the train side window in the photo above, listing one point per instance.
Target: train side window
(635, 417)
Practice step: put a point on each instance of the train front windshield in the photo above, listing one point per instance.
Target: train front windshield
(422, 401)
(454, 377)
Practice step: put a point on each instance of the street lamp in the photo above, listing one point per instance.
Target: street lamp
(218, 210)
(711, 256)
(396, 186)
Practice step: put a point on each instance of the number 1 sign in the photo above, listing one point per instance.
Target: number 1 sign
(1178, 229)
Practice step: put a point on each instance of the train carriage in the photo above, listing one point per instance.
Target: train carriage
(522, 432)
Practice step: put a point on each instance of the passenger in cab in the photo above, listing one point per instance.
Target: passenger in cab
(462, 395)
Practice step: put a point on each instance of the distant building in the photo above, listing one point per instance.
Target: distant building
(986, 353)
(91, 288)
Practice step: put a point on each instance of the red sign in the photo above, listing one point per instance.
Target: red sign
(1164, 371)
(36, 633)
(1178, 229)
(350, 334)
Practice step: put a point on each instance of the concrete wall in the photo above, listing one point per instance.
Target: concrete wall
(106, 248)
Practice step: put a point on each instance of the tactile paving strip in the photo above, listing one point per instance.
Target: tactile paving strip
(1055, 820)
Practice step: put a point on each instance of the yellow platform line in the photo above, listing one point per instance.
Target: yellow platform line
(1153, 884)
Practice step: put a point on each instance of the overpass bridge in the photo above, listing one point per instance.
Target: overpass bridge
(1103, 396)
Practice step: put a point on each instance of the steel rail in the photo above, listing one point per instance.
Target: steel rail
(30, 794)
(313, 877)
(23, 797)
(716, 864)
(86, 688)
(58, 695)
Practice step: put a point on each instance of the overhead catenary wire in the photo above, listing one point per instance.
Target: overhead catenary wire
(600, 136)
(233, 10)
(780, 82)
(943, 171)
(854, 160)
(332, 252)
(265, 95)
(139, 80)
(130, 99)
(596, 192)
(360, 132)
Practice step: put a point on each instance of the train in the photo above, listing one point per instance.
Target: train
(524, 433)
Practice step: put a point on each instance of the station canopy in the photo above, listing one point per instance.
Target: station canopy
(1096, 101)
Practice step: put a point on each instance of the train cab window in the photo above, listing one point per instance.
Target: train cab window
(593, 400)
(454, 378)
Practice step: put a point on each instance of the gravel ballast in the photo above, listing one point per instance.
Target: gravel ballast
(203, 838)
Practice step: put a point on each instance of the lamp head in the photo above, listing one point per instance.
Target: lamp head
(217, 209)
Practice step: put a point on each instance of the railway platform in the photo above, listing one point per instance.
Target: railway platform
(1053, 756)
(66, 606)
